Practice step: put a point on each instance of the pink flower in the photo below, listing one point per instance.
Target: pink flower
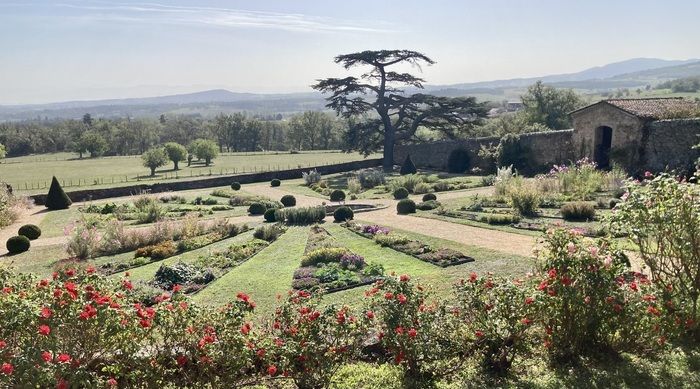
(593, 250)
(607, 261)
(571, 248)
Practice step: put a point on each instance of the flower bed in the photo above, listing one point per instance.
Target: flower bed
(442, 257)
(330, 267)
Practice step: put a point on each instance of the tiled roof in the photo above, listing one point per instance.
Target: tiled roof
(656, 108)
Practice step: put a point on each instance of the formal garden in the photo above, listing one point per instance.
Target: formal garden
(329, 281)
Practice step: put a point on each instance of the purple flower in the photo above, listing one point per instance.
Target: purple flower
(374, 230)
(352, 261)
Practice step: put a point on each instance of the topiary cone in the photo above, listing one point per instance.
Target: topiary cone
(57, 198)
(408, 166)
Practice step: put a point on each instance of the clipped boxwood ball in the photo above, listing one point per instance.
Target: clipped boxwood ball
(288, 200)
(343, 214)
(337, 195)
(17, 244)
(236, 186)
(275, 182)
(400, 193)
(257, 209)
(405, 206)
(31, 231)
(270, 215)
(429, 197)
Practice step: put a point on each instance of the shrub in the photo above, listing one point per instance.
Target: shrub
(429, 197)
(524, 198)
(390, 239)
(504, 178)
(17, 244)
(662, 217)
(312, 177)
(288, 200)
(421, 188)
(275, 182)
(369, 178)
(408, 167)
(210, 201)
(181, 273)
(400, 193)
(257, 209)
(57, 198)
(301, 216)
(581, 180)
(498, 219)
(84, 241)
(158, 251)
(511, 152)
(442, 186)
(148, 210)
(354, 186)
(236, 186)
(405, 206)
(343, 214)
(337, 195)
(458, 161)
(409, 181)
(428, 205)
(270, 215)
(268, 233)
(31, 231)
(578, 211)
(323, 255)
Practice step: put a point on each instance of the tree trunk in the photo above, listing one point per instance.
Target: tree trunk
(389, 139)
(176, 166)
(153, 171)
(207, 161)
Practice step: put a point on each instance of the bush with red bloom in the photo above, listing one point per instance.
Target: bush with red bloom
(421, 336)
(499, 314)
(308, 343)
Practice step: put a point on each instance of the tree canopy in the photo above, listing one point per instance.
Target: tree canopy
(154, 158)
(550, 106)
(380, 110)
(204, 149)
(176, 153)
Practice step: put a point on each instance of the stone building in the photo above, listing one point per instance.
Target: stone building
(639, 134)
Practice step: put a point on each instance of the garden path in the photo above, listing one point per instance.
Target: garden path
(32, 215)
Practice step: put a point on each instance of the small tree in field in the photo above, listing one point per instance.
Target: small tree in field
(176, 153)
(204, 149)
(57, 198)
(154, 158)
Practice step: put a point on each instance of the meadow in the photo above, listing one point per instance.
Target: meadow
(32, 174)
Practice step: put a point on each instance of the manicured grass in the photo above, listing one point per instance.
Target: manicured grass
(32, 174)
(55, 222)
(39, 260)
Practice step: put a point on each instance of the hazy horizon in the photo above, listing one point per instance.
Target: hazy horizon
(89, 50)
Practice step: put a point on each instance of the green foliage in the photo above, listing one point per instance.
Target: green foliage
(408, 166)
(500, 219)
(148, 210)
(662, 217)
(154, 158)
(343, 214)
(158, 251)
(354, 185)
(512, 153)
(524, 198)
(301, 216)
(423, 187)
(288, 200)
(57, 198)
(337, 195)
(31, 231)
(91, 142)
(311, 177)
(3, 151)
(370, 178)
(181, 273)
(17, 244)
(268, 233)
(429, 197)
(681, 85)
(458, 161)
(204, 149)
(269, 215)
(400, 193)
(323, 255)
(550, 106)
(405, 206)
(175, 152)
(578, 211)
(236, 185)
(257, 209)
(428, 205)
(409, 182)
(275, 182)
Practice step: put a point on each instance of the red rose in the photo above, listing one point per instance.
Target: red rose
(370, 315)
(272, 370)
(529, 300)
(44, 330)
(404, 278)
(7, 368)
(479, 334)
(3, 344)
(63, 358)
(412, 333)
(46, 356)
(399, 330)
(245, 329)
(401, 298)
(181, 360)
(472, 277)
(388, 295)
(112, 382)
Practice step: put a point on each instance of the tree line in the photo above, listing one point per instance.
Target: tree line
(94, 137)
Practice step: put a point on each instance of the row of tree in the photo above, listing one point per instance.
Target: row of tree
(202, 149)
(126, 136)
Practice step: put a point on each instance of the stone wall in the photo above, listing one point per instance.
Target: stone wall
(667, 145)
(96, 194)
(545, 149)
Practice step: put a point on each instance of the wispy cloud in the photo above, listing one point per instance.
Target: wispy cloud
(216, 17)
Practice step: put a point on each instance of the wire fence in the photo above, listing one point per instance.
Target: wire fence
(32, 185)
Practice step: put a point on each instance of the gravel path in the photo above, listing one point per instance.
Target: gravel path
(32, 215)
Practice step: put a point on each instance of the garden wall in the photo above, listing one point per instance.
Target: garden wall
(96, 194)
(545, 149)
(668, 145)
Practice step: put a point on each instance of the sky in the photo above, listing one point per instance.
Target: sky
(87, 49)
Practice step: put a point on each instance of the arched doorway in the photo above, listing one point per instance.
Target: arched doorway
(603, 143)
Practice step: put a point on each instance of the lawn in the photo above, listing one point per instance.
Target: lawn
(32, 174)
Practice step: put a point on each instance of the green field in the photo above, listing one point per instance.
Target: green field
(32, 174)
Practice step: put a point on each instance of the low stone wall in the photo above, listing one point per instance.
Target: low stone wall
(96, 194)
(668, 145)
(545, 149)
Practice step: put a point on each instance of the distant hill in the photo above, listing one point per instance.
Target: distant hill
(632, 73)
